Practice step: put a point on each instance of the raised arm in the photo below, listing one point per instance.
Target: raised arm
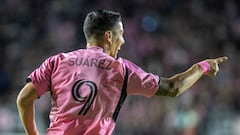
(25, 104)
(179, 83)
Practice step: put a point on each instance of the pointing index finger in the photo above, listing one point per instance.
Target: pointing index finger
(221, 59)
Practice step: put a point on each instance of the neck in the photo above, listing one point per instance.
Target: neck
(106, 50)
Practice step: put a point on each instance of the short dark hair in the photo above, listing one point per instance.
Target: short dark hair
(99, 21)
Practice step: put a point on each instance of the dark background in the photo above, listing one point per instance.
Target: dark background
(162, 36)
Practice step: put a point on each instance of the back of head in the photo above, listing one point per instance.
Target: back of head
(98, 22)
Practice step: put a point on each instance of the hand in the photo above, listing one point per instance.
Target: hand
(214, 65)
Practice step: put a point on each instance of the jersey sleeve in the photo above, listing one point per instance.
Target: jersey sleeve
(140, 82)
(41, 77)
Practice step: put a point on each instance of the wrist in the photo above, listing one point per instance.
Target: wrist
(205, 66)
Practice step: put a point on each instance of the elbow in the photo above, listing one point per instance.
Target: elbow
(177, 86)
(168, 88)
(174, 90)
(174, 93)
(178, 90)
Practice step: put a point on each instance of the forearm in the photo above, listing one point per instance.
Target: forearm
(185, 80)
(26, 113)
(179, 83)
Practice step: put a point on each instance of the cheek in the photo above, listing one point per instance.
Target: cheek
(117, 41)
(121, 40)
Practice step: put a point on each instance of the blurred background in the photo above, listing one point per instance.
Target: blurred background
(162, 36)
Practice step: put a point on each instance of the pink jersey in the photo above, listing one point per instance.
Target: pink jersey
(88, 88)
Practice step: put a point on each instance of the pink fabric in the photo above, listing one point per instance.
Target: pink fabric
(205, 66)
(86, 86)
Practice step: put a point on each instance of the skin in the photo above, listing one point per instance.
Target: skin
(177, 84)
(111, 43)
(25, 104)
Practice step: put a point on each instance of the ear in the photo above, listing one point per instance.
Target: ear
(108, 37)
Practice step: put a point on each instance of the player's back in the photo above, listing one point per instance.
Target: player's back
(86, 87)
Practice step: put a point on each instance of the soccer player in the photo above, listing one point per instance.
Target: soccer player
(88, 86)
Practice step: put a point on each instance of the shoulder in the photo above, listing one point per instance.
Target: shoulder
(128, 64)
(59, 57)
(63, 55)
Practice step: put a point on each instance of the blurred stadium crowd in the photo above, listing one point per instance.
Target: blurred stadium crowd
(162, 36)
